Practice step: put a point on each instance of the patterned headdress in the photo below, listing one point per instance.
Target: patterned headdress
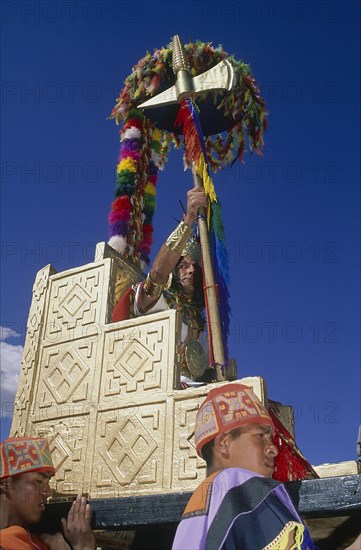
(19, 455)
(193, 250)
(226, 408)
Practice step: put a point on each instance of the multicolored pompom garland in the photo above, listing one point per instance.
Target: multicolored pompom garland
(130, 220)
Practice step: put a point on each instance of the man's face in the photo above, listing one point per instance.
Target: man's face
(27, 496)
(253, 449)
(188, 272)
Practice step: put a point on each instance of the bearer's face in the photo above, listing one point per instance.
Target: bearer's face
(253, 449)
(27, 495)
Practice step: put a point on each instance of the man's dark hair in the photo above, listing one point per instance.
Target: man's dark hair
(207, 449)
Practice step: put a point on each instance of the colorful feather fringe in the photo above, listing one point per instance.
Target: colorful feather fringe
(131, 217)
(242, 105)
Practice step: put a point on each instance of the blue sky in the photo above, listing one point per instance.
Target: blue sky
(292, 217)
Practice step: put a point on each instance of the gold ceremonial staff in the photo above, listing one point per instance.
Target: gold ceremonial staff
(218, 78)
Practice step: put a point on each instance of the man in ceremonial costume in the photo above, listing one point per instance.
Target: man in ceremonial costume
(25, 471)
(175, 282)
(238, 506)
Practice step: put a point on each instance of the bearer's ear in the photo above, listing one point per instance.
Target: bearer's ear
(221, 445)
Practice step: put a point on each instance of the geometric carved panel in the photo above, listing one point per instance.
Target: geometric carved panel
(72, 305)
(68, 442)
(133, 362)
(30, 360)
(128, 450)
(129, 456)
(136, 360)
(67, 372)
(187, 464)
(75, 302)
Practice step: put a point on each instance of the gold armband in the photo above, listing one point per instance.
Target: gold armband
(177, 240)
(154, 290)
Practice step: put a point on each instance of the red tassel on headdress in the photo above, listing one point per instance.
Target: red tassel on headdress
(290, 464)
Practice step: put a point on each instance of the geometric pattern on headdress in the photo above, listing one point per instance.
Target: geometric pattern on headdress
(144, 146)
(226, 408)
(19, 455)
(193, 250)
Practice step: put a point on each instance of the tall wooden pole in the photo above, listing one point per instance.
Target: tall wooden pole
(214, 328)
(219, 77)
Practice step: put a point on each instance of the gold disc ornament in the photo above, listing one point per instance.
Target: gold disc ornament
(196, 359)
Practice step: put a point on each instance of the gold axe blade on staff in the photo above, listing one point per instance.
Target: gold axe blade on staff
(219, 78)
